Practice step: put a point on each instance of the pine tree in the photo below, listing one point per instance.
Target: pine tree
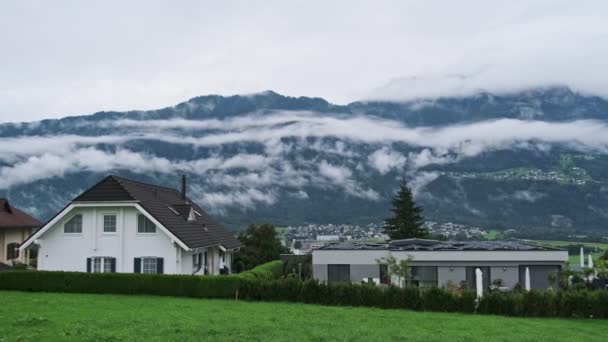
(407, 221)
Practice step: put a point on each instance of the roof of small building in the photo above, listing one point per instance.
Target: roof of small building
(167, 206)
(11, 217)
(435, 245)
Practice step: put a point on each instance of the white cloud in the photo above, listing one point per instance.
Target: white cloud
(218, 201)
(386, 159)
(528, 196)
(281, 138)
(337, 174)
(421, 180)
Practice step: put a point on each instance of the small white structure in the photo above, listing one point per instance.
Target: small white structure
(124, 226)
(582, 261)
(590, 264)
(328, 238)
(527, 278)
(479, 284)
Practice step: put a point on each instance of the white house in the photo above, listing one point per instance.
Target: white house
(15, 227)
(121, 225)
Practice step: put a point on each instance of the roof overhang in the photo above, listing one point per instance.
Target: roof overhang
(74, 205)
(219, 246)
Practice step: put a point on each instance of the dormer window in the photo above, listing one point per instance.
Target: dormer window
(191, 216)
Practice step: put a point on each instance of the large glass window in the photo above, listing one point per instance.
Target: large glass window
(74, 225)
(149, 265)
(102, 264)
(384, 276)
(12, 251)
(109, 223)
(144, 225)
(336, 273)
(424, 276)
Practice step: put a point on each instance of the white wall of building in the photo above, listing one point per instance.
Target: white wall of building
(60, 251)
(362, 257)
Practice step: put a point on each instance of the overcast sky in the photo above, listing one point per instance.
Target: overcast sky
(61, 58)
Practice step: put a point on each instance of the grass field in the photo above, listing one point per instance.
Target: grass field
(575, 259)
(79, 317)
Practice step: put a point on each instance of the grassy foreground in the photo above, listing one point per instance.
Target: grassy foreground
(79, 317)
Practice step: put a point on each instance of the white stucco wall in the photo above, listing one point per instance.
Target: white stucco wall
(61, 251)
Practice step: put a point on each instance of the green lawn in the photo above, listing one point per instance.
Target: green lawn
(575, 259)
(600, 245)
(493, 235)
(79, 317)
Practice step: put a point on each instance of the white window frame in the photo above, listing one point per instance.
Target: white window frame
(103, 223)
(142, 216)
(143, 265)
(105, 264)
(69, 220)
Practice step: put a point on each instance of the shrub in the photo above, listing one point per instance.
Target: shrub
(253, 287)
(121, 283)
(18, 266)
(437, 299)
(268, 271)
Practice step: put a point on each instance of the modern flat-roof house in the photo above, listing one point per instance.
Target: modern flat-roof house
(15, 227)
(439, 263)
(121, 225)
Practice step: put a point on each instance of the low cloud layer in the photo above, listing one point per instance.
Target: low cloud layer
(294, 150)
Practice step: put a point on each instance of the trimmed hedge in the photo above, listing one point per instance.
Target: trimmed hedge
(121, 283)
(570, 304)
(268, 271)
(255, 287)
(346, 294)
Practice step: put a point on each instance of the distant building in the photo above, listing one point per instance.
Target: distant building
(15, 227)
(439, 263)
(328, 238)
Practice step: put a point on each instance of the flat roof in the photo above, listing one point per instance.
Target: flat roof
(435, 245)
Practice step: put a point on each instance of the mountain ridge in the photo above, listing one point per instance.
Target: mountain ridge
(530, 160)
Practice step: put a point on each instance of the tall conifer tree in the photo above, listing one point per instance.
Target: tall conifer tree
(407, 221)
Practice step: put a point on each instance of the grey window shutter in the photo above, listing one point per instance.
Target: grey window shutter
(113, 265)
(159, 265)
(137, 265)
(88, 265)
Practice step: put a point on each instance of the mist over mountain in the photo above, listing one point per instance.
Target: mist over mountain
(529, 160)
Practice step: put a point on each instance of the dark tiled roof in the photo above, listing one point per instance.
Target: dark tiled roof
(11, 217)
(159, 201)
(108, 189)
(434, 245)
